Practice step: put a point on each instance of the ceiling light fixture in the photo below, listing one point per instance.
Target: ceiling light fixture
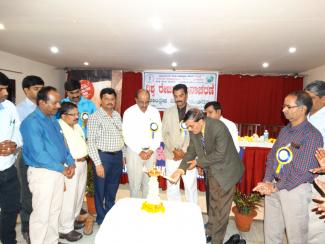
(174, 64)
(265, 65)
(169, 49)
(292, 50)
(2, 26)
(86, 63)
(156, 23)
(54, 49)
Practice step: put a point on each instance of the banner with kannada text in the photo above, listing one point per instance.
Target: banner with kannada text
(202, 87)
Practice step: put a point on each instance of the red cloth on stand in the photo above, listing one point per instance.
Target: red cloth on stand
(254, 160)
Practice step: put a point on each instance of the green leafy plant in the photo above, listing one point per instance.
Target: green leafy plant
(246, 203)
(90, 181)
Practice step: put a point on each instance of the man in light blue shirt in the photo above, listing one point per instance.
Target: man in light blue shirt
(31, 85)
(85, 106)
(10, 140)
(49, 161)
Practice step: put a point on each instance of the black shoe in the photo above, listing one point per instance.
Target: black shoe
(78, 225)
(208, 238)
(71, 236)
(233, 239)
(26, 237)
(82, 212)
(61, 242)
(242, 241)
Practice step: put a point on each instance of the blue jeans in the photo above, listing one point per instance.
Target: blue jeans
(106, 188)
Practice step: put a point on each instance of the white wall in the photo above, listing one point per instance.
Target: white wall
(50, 75)
(314, 74)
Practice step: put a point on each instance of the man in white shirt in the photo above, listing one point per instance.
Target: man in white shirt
(10, 140)
(213, 110)
(176, 138)
(316, 89)
(31, 85)
(74, 187)
(142, 135)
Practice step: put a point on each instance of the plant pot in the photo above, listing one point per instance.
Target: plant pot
(243, 222)
(91, 204)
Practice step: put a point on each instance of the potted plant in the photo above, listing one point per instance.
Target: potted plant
(244, 210)
(90, 190)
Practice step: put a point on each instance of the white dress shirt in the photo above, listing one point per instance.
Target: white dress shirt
(9, 130)
(136, 128)
(233, 131)
(318, 120)
(25, 108)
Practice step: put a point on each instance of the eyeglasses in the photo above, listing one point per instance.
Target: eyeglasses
(290, 107)
(73, 115)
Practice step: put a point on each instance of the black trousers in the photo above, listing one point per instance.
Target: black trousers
(25, 195)
(9, 204)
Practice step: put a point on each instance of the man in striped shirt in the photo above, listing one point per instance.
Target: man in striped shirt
(287, 178)
(105, 144)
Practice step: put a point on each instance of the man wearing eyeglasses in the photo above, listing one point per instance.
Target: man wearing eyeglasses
(211, 143)
(75, 187)
(287, 178)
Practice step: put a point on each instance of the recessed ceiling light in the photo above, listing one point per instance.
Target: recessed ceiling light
(265, 65)
(156, 23)
(86, 63)
(292, 50)
(169, 49)
(2, 26)
(174, 64)
(54, 49)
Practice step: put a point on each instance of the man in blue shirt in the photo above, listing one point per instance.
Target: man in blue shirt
(85, 106)
(31, 85)
(49, 161)
(10, 140)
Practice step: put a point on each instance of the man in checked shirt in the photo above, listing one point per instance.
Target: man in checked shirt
(287, 184)
(105, 143)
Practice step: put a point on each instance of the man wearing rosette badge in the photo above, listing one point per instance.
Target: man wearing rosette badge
(176, 138)
(287, 178)
(142, 135)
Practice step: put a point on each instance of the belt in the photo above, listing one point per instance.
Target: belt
(81, 159)
(111, 153)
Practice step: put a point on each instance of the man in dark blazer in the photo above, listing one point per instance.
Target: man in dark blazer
(213, 148)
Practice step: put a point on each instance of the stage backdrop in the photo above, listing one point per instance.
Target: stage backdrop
(93, 81)
(202, 87)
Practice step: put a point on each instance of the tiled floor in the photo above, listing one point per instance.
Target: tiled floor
(254, 236)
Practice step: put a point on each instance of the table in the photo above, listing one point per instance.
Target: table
(126, 223)
(254, 157)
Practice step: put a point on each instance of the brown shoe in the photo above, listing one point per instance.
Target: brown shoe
(89, 223)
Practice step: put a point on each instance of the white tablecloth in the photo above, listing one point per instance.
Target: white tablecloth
(255, 144)
(126, 223)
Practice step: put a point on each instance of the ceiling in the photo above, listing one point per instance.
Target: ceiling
(230, 36)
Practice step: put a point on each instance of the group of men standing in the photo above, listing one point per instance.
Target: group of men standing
(52, 167)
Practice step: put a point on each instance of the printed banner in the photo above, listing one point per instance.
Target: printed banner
(202, 87)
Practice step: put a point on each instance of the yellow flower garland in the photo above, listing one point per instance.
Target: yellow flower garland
(153, 208)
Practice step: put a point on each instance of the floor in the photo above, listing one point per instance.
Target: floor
(254, 236)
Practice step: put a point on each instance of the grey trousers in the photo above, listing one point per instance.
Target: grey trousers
(287, 211)
(219, 208)
(138, 180)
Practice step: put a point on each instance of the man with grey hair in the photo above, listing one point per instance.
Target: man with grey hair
(316, 117)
